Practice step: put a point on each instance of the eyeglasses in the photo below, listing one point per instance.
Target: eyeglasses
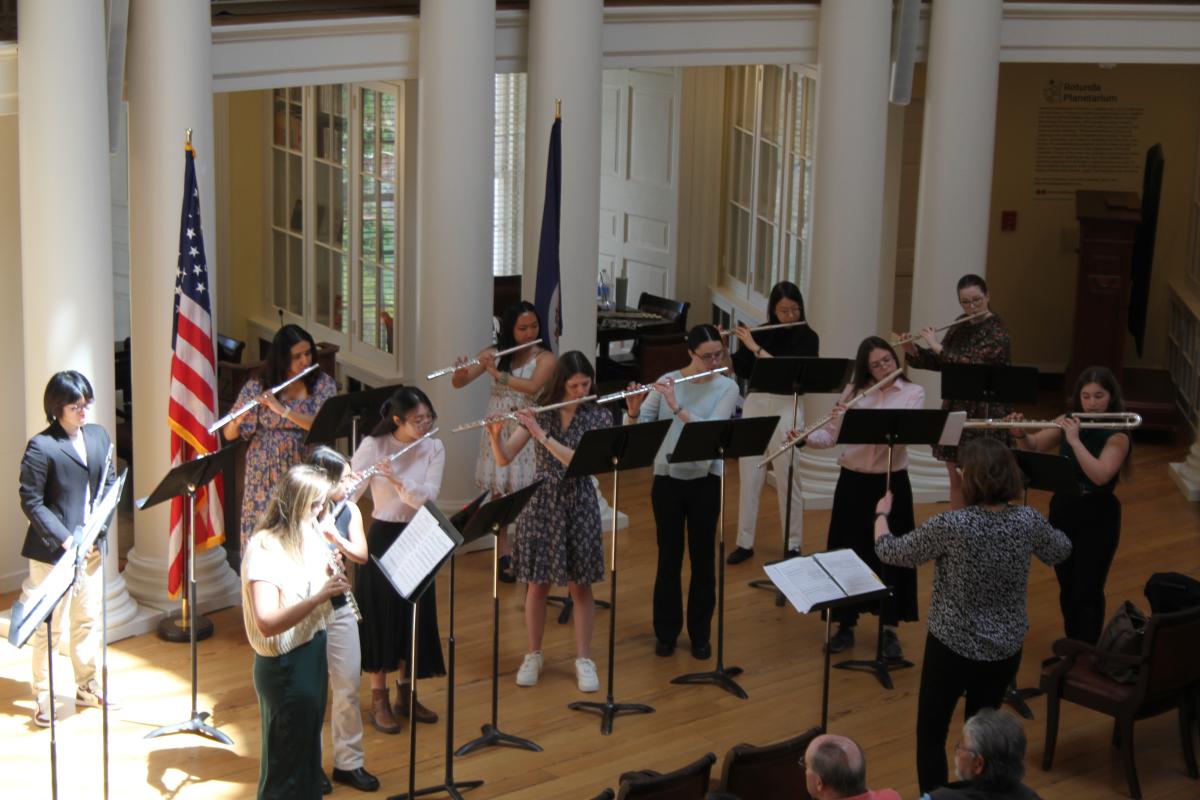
(886, 361)
(79, 408)
(423, 419)
(973, 302)
(709, 358)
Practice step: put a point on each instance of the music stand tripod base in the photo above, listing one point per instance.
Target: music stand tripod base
(880, 666)
(609, 710)
(723, 677)
(195, 725)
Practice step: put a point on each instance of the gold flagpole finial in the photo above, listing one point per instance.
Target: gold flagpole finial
(187, 140)
(558, 109)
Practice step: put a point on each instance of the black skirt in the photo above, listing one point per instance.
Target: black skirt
(386, 627)
(852, 525)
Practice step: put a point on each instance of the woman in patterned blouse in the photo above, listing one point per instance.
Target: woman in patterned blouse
(983, 340)
(977, 619)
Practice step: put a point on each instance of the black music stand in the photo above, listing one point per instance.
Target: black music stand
(1050, 473)
(183, 481)
(345, 414)
(492, 518)
(826, 610)
(722, 439)
(888, 427)
(615, 450)
(39, 607)
(460, 520)
(989, 383)
(414, 597)
(794, 376)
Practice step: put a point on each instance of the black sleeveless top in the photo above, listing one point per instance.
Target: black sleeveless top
(341, 524)
(1094, 440)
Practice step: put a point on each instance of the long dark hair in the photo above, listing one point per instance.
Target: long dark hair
(508, 322)
(329, 461)
(784, 290)
(970, 279)
(403, 400)
(1103, 376)
(569, 365)
(279, 356)
(862, 369)
(63, 389)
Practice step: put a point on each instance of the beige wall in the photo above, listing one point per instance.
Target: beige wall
(12, 401)
(1032, 270)
(701, 132)
(244, 264)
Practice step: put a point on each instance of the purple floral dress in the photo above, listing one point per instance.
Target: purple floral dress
(984, 343)
(275, 445)
(558, 534)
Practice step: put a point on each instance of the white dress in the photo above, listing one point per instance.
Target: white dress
(522, 471)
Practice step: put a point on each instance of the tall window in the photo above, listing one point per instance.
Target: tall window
(509, 183)
(768, 179)
(335, 221)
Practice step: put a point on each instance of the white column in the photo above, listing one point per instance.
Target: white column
(169, 71)
(843, 300)
(564, 64)
(66, 253)
(454, 215)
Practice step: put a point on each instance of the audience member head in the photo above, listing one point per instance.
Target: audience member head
(991, 750)
(990, 475)
(834, 767)
(291, 352)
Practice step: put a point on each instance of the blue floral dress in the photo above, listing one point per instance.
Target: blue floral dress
(275, 445)
(558, 534)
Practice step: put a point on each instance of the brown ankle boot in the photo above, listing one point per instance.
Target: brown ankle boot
(381, 712)
(424, 714)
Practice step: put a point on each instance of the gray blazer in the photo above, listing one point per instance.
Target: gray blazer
(54, 485)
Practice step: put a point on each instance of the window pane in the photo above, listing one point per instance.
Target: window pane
(749, 88)
(809, 125)
(295, 94)
(296, 126)
(387, 223)
(370, 215)
(321, 173)
(295, 275)
(387, 310)
(280, 186)
(768, 175)
(745, 170)
(340, 220)
(280, 253)
(295, 187)
(764, 270)
(796, 213)
(341, 283)
(741, 261)
(322, 288)
(387, 136)
(772, 105)
(279, 116)
(368, 131)
(368, 309)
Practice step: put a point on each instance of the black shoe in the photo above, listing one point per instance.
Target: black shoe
(702, 651)
(506, 573)
(739, 555)
(326, 786)
(843, 639)
(664, 649)
(891, 646)
(358, 778)
(792, 552)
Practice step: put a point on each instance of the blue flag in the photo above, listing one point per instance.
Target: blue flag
(548, 294)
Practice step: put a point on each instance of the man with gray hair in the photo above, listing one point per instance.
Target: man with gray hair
(989, 759)
(835, 769)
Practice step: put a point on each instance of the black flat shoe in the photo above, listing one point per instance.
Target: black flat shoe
(891, 646)
(739, 555)
(702, 652)
(842, 640)
(792, 552)
(326, 786)
(506, 573)
(358, 778)
(664, 649)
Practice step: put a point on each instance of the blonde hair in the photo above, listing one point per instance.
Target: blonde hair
(291, 504)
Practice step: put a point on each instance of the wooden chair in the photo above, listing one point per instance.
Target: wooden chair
(1168, 678)
(661, 353)
(607, 794)
(685, 783)
(769, 772)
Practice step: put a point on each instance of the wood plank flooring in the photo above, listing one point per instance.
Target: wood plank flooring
(778, 648)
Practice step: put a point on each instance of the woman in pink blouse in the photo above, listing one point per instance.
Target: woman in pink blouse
(861, 482)
(398, 490)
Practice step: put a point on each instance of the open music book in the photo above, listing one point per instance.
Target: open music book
(419, 550)
(811, 580)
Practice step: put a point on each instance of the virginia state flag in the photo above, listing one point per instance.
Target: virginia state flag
(548, 294)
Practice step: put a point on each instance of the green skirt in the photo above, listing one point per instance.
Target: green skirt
(291, 703)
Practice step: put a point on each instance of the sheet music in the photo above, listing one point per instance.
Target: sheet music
(803, 582)
(851, 574)
(416, 552)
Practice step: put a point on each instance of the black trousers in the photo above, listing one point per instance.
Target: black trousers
(694, 505)
(946, 676)
(1093, 524)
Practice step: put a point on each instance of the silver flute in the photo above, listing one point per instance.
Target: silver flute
(912, 337)
(232, 415)
(437, 373)
(823, 421)
(374, 469)
(337, 568)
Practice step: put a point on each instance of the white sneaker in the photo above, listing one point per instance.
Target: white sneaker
(41, 711)
(585, 675)
(531, 667)
(89, 694)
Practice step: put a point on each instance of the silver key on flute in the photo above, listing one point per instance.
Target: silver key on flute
(232, 415)
(437, 373)
(338, 569)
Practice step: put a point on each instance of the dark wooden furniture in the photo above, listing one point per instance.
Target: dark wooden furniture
(1168, 678)
(769, 772)
(506, 290)
(672, 317)
(685, 783)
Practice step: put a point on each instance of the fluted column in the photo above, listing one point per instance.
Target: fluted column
(66, 238)
(454, 214)
(169, 69)
(848, 197)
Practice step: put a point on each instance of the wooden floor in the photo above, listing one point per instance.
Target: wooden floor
(778, 648)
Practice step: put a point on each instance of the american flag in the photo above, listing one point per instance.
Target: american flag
(193, 402)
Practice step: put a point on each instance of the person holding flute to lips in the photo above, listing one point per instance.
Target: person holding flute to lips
(862, 481)
(982, 340)
(686, 495)
(276, 426)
